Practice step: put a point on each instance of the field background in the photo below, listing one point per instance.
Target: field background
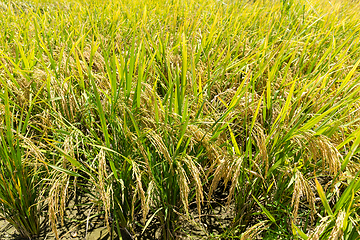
(169, 119)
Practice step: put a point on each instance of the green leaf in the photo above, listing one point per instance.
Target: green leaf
(60, 169)
(299, 231)
(323, 198)
(150, 220)
(267, 213)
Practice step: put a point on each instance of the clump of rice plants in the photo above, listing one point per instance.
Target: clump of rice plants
(20, 178)
(162, 112)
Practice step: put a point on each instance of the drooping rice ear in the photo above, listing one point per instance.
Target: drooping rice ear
(145, 156)
(104, 190)
(183, 182)
(63, 197)
(260, 139)
(321, 147)
(158, 143)
(254, 231)
(302, 188)
(195, 171)
(53, 204)
(235, 172)
(212, 148)
(149, 199)
(221, 172)
(337, 232)
(58, 192)
(324, 222)
(137, 174)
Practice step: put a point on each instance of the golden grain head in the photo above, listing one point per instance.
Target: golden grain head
(139, 187)
(196, 172)
(316, 233)
(236, 170)
(338, 230)
(254, 231)
(221, 172)
(302, 188)
(183, 182)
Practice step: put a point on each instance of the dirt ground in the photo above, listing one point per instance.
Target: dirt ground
(83, 221)
(95, 229)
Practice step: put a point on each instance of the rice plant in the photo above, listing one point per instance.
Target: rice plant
(20, 191)
(162, 112)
